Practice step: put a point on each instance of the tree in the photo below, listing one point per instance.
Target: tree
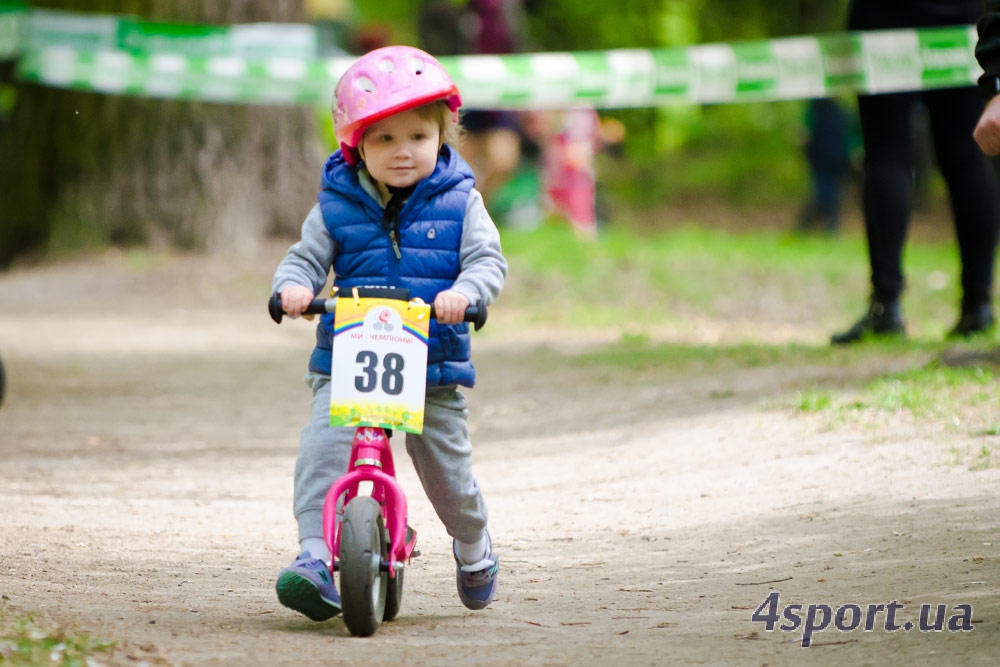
(80, 167)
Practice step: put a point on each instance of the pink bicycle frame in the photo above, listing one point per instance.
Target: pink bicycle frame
(371, 461)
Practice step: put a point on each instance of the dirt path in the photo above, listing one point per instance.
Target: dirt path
(145, 480)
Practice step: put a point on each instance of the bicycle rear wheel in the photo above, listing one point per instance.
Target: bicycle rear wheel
(363, 584)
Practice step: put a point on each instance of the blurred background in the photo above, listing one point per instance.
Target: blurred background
(81, 170)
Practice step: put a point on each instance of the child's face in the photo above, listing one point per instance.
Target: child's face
(401, 149)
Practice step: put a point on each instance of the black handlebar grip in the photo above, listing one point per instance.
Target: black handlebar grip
(274, 308)
(476, 315)
(316, 307)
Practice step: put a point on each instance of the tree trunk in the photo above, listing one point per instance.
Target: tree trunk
(85, 169)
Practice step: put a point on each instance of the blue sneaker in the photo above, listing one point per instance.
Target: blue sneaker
(477, 583)
(307, 587)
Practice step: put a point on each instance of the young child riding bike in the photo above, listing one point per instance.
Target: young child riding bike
(398, 207)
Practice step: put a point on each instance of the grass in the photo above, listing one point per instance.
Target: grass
(974, 458)
(27, 641)
(692, 270)
(962, 397)
(683, 276)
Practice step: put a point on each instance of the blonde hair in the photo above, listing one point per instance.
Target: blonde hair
(446, 119)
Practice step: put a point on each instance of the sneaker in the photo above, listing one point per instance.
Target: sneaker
(307, 587)
(477, 583)
(974, 320)
(882, 319)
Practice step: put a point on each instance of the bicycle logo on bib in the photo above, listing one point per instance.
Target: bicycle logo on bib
(383, 323)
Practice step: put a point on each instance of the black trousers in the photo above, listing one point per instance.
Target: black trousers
(972, 185)
(888, 137)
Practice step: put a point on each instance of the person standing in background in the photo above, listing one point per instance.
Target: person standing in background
(886, 200)
(568, 170)
(828, 153)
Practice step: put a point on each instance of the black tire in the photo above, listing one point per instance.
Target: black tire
(393, 595)
(394, 587)
(363, 584)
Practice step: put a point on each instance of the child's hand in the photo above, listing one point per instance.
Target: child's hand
(295, 299)
(449, 306)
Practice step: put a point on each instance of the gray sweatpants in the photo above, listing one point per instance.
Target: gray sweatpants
(442, 458)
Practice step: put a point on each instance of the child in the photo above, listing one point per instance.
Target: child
(397, 207)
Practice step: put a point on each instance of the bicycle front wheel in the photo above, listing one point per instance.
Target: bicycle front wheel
(394, 595)
(362, 582)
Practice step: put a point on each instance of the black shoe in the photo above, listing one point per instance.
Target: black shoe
(882, 319)
(974, 320)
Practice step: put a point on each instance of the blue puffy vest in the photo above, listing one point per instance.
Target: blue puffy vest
(429, 241)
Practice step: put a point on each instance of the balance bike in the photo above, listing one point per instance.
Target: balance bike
(365, 511)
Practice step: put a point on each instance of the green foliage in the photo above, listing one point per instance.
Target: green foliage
(572, 25)
(738, 154)
(8, 96)
(554, 25)
(25, 642)
(727, 20)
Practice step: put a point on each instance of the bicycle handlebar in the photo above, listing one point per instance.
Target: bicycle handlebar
(476, 315)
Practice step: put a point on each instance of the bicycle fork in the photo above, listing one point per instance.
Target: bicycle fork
(371, 462)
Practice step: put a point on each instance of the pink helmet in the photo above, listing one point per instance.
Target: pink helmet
(383, 82)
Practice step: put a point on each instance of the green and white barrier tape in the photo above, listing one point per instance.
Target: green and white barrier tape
(12, 27)
(269, 63)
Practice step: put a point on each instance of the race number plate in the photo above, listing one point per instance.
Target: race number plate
(379, 364)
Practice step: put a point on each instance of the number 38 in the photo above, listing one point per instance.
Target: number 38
(392, 373)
